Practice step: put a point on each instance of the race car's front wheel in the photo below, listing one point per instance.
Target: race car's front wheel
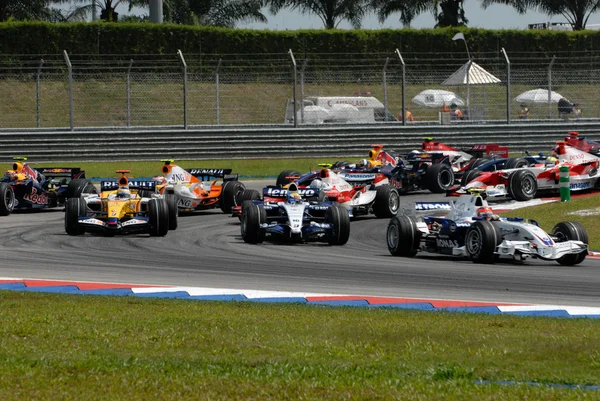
(78, 187)
(252, 217)
(522, 185)
(481, 241)
(7, 199)
(387, 202)
(74, 208)
(403, 236)
(339, 219)
(158, 217)
(173, 210)
(230, 193)
(439, 178)
(516, 162)
(571, 231)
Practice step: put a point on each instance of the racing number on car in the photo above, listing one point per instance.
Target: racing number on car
(114, 213)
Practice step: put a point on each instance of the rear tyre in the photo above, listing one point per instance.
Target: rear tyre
(403, 236)
(78, 187)
(516, 162)
(173, 211)
(387, 202)
(571, 231)
(476, 163)
(522, 185)
(158, 217)
(145, 193)
(481, 241)
(230, 193)
(339, 218)
(252, 217)
(74, 207)
(7, 199)
(469, 176)
(439, 178)
(248, 194)
(320, 197)
(282, 178)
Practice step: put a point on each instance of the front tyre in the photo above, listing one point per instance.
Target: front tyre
(74, 208)
(252, 217)
(339, 219)
(481, 241)
(173, 211)
(571, 231)
(522, 185)
(387, 202)
(403, 236)
(158, 217)
(230, 193)
(7, 199)
(439, 178)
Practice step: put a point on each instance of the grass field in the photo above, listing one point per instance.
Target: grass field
(73, 347)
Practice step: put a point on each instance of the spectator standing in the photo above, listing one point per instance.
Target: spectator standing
(456, 114)
(576, 110)
(408, 115)
(564, 108)
(524, 112)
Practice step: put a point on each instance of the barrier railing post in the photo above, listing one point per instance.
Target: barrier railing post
(565, 189)
(550, 87)
(385, 94)
(128, 89)
(403, 87)
(70, 72)
(507, 86)
(218, 91)
(304, 64)
(294, 71)
(185, 90)
(38, 94)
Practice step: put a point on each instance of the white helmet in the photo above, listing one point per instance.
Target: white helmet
(123, 193)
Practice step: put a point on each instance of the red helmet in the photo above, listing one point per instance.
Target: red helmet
(485, 212)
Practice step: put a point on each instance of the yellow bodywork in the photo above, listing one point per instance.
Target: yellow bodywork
(119, 208)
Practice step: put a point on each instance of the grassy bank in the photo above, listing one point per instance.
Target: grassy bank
(85, 347)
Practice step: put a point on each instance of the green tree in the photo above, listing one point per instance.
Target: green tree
(24, 10)
(446, 12)
(224, 13)
(107, 7)
(331, 12)
(576, 12)
(449, 13)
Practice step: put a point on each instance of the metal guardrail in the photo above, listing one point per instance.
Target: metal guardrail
(269, 142)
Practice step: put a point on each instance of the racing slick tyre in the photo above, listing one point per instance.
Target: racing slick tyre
(252, 217)
(570, 231)
(516, 162)
(522, 185)
(158, 217)
(320, 197)
(7, 199)
(248, 194)
(78, 187)
(476, 163)
(173, 210)
(145, 193)
(481, 241)
(403, 236)
(74, 207)
(387, 202)
(469, 176)
(230, 193)
(339, 218)
(439, 178)
(283, 177)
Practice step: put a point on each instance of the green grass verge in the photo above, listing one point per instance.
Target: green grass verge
(56, 346)
(575, 210)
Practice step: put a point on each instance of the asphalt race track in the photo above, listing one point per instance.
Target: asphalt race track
(207, 251)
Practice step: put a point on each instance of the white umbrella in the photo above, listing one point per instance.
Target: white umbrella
(437, 98)
(538, 96)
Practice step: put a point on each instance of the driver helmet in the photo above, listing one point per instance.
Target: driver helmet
(293, 197)
(362, 163)
(123, 193)
(414, 154)
(485, 212)
(318, 184)
(551, 160)
(160, 180)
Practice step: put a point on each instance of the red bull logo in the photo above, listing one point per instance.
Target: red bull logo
(35, 198)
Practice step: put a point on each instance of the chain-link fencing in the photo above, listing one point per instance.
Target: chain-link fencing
(79, 91)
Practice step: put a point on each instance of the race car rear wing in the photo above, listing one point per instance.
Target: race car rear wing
(273, 191)
(206, 174)
(139, 185)
(62, 172)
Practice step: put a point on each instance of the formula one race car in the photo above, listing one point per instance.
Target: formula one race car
(122, 208)
(199, 188)
(582, 143)
(523, 184)
(470, 229)
(24, 187)
(287, 215)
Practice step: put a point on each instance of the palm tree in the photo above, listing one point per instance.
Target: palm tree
(227, 13)
(331, 12)
(24, 9)
(451, 13)
(446, 12)
(107, 7)
(576, 12)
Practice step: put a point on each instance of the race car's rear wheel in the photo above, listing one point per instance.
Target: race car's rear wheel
(230, 193)
(78, 187)
(571, 231)
(403, 236)
(516, 162)
(476, 163)
(248, 194)
(320, 197)
(173, 211)
(74, 208)
(469, 176)
(252, 217)
(284, 177)
(339, 219)
(7, 199)
(158, 217)
(439, 178)
(522, 185)
(481, 241)
(387, 202)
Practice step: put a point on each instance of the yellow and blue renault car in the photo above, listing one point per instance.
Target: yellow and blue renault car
(124, 206)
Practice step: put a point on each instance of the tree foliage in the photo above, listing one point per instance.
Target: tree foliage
(449, 13)
(107, 7)
(330, 12)
(24, 10)
(446, 12)
(576, 12)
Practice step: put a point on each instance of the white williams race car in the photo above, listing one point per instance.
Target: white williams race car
(470, 229)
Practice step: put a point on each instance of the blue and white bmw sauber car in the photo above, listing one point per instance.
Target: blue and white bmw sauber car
(294, 215)
(470, 229)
